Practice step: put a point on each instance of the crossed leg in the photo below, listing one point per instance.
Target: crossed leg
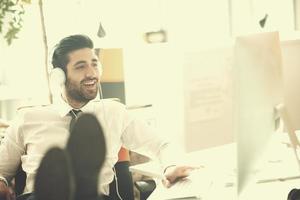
(72, 173)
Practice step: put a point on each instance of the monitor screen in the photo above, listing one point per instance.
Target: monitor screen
(291, 70)
(258, 88)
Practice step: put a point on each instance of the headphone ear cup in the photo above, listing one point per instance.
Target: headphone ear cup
(57, 75)
(57, 80)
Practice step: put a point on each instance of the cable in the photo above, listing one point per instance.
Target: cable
(117, 184)
(102, 102)
(106, 123)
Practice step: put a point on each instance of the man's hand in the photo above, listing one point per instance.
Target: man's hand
(6, 193)
(174, 173)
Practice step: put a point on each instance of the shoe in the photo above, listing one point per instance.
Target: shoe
(54, 179)
(87, 150)
(294, 194)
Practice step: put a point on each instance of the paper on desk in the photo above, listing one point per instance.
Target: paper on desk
(196, 186)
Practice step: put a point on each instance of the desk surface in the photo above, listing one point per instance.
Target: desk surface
(210, 159)
(274, 190)
(220, 164)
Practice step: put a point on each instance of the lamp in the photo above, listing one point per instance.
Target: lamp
(156, 36)
(262, 22)
(101, 32)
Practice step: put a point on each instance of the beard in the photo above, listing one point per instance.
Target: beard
(79, 93)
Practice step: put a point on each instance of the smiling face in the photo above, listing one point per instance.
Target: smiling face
(82, 77)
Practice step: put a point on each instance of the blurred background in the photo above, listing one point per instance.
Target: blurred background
(171, 60)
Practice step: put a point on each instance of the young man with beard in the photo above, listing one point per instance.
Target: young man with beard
(37, 130)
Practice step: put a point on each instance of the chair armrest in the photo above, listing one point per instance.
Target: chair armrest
(23, 196)
(145, 187)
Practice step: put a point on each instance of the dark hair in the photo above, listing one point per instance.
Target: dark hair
(65, 46)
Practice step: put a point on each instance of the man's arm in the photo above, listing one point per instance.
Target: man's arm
(176, 172)
(11, 150)
(172, 167)
(10, 155)
(144, 140)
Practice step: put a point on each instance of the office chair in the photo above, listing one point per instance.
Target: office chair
(143, 185)
(20, 180)
(125, 180)
(123, 176)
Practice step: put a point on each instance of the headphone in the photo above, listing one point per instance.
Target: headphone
(57, 81)
(58, 75)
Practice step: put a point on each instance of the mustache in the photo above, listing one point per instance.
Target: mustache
(89, 79)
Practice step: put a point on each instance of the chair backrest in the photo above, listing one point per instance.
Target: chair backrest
(124, 180)
(20, 181)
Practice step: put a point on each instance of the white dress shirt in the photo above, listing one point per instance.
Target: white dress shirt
(37, 129)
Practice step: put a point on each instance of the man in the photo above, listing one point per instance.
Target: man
(38, 129)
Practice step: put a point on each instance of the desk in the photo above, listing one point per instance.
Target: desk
(220, 163)
(210, 159)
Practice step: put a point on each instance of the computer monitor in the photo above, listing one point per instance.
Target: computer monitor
(258, 89)
(290, 110)
(291, 63)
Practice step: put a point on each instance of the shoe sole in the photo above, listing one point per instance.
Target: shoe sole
(54, 180)
(87, 150)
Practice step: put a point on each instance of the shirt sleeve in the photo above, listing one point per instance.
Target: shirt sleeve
(11, 150)
(142, 138)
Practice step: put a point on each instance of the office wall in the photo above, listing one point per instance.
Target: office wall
(112, 61)
(22, 68)
(189, 88)
(208, 101)
(112, 79)
(154, 75)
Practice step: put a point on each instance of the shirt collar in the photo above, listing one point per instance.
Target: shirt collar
(64, 108)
